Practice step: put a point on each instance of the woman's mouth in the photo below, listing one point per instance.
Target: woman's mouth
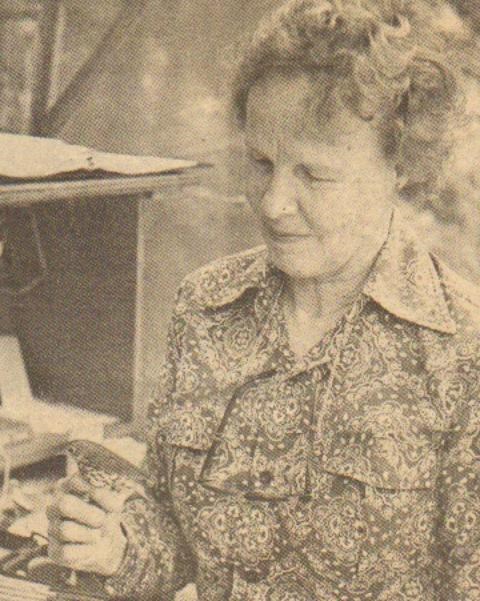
(287, 237)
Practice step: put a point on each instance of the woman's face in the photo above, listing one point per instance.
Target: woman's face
(322, 191)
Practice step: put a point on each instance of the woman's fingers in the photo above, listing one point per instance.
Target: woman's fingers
(107, 499)
(86, 533)
(66, 531)
(104, 497)
(81, 548)
(71, 507)
(74, 484)
(75, 556)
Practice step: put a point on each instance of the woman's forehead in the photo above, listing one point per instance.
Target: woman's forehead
(300, 106)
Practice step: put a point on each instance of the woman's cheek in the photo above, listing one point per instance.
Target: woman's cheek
(327, 210)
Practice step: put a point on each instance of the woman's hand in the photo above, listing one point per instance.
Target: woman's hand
(84, 534)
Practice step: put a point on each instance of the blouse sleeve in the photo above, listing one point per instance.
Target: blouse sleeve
(157, 562)
(459, 529)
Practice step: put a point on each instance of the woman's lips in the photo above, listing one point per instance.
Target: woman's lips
(287, 237)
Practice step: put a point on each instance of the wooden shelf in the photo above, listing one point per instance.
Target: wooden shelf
(82, 327)
(27, 193)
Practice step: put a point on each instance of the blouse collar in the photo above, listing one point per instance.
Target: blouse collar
(404, 280)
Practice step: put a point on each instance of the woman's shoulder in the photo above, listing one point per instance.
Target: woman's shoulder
(463, 298)
(225, 279)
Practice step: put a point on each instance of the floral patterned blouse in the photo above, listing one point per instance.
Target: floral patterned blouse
(351, 474)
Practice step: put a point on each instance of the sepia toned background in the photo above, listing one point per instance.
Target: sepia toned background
(156, 85)
(145, 77)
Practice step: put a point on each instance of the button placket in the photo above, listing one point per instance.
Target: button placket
(278, 470)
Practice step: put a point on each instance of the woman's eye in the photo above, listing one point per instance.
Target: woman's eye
(264, 163)
(318, 179)
(260, 162)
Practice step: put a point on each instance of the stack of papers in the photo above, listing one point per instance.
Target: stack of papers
(52, 425)
(29, 158)
(54, 418)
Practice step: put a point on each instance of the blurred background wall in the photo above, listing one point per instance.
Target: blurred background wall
(159, 89)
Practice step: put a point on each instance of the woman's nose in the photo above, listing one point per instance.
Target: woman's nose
(279, 199)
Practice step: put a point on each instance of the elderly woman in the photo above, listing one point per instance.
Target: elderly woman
(316, 436)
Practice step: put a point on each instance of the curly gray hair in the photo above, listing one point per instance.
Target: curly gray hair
(384, 58)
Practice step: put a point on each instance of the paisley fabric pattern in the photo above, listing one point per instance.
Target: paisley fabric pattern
(350, 474)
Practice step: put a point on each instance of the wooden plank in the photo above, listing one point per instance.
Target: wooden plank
(30, 193)
(56, 37)
(51, 27)
(139, 414)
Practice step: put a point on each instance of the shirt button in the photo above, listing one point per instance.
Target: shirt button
(109, 590)
(265, 477)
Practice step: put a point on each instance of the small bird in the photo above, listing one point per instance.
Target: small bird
(101, 468)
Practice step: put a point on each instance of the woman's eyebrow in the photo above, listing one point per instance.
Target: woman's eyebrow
(256, 152)
(323, 170)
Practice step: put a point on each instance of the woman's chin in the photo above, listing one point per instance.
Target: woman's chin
(299, 265)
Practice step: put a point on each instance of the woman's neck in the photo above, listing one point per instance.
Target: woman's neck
(315, 300)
